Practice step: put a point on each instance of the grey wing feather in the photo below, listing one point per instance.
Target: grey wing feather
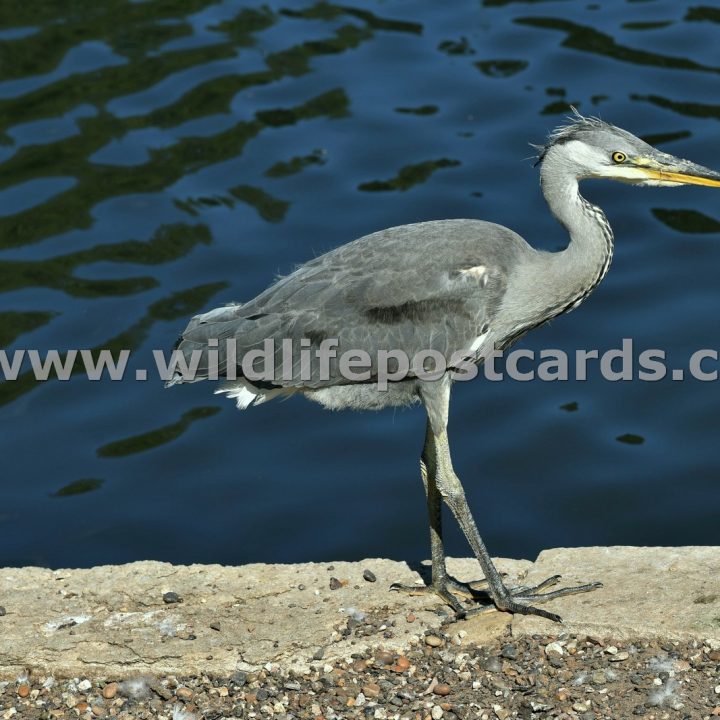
(427, 286)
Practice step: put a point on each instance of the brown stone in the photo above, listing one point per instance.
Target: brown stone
(23, 690)
(371, 690)
(442, 689)
(184, 693)
(384, 657)
(110, 690)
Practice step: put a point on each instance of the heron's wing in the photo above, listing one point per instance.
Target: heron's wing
(415, 288)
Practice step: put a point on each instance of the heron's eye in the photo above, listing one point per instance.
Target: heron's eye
(619, 157)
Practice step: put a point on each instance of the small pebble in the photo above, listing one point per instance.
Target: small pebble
(239, 678)
(411, 618)
(319, 654)
(84, 685)
(184, 693)
(554, 648)
(23, 690)
(401, 665)
(2, 611)
(437, 712)
(170, 598)
(335, 584)
(510, 652)
(384, 657)
(433, 641)
(110, 691)
(371, 690)
(623, 655)
(369, 575)
(442, 689)
(161, 691)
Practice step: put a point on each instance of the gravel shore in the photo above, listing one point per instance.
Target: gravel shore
(567, 677)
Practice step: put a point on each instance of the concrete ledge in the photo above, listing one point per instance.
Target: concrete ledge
(115, 621)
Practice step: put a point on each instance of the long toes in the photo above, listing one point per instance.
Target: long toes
(528, 590)
(562, 592)
(440, 590)
(518, 608)
(468, 589)
(554, 580)
(533, 594)
(474, 611)
(411, 589)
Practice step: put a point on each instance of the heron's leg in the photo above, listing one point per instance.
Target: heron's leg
(442, 583)
(511, 600)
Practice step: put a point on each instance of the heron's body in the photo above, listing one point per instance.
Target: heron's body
(460, 288)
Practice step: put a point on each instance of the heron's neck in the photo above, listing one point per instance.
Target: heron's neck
(575, 272)
(556, 282)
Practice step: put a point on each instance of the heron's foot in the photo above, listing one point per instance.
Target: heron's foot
(447, 588)
(519, 600)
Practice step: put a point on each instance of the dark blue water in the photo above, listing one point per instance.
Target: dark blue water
(159, 159)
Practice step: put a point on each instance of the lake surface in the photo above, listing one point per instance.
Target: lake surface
(158, 159)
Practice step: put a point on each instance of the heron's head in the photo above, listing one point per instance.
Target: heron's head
(591, 148)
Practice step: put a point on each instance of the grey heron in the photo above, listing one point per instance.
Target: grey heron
(461, 288)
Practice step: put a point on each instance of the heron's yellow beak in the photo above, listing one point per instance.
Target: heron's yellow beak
(709, 179)
(665, 169)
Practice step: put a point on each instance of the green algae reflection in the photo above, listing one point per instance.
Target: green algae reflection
(630, 439)
(154, 438)
(590, 40)
(169, 242)
(14, 324)
(409, 176)
(687, 221)
(295, 165)
(78, 487)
